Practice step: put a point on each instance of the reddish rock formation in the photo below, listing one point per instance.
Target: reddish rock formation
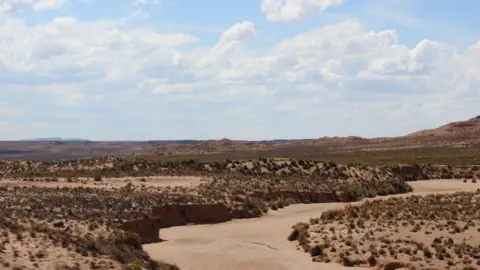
(169, 215)
(176, 215)
(147, 228)
(236, 213)
(324, 197)
(206, 213)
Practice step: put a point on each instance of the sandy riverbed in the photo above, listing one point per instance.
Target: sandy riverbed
(260, 243)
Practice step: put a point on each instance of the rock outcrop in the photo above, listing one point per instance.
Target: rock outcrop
(169, 215)
(147, 228)
(206, 213)
(176, 215)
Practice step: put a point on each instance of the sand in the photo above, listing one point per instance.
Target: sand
(108, 183)
(260, 243)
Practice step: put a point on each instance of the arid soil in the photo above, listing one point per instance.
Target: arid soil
(115, 167)
(100, 211)
(100, 222)
(434, 231)
(262, 243)
(106, 212)
(457, 134)
(106, 183)
(71, 228)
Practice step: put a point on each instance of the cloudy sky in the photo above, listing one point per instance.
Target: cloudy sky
(241, 69)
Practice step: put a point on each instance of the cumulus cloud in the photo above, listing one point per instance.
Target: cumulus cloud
(239, 31)
(96, 48)
(48, 4)
(145, 2)
(339, 73)
(229, 47)
(289, 10)
(16, 5)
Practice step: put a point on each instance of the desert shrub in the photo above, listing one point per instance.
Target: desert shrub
(317, 250)
(427, 253)
(273, 206)
(162, 266)
(355, 192)
(129, 239)
(372, 260)
(294, 235)
(256, 203)
(348, 262)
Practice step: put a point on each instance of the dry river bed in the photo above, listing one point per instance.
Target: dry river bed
(261, 243)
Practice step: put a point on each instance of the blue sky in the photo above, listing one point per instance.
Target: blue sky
(250, 69)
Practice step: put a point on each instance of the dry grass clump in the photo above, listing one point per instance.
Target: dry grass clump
(435, 231)
(120, 167)
(79, 221)
(48, 228)
(33, 244)
(256, 194)
(276, 192)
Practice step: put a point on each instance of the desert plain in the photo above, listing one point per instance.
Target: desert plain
(410, 202)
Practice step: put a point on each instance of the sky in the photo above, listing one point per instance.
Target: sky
(238, 69)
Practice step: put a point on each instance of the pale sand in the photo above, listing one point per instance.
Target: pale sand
(108, 183)
(260, 243)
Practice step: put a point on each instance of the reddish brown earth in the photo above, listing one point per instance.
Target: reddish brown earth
(147, 228)
(176, 214)
(460, 133)
(456, 134)
(469, 128)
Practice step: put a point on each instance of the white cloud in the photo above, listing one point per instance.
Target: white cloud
(332, 70)
(145, 2)
(178, 88)
(289, 10)
(48, 4)
(239, 32)
(13, 5)
(66, 47)
(339, 73)
(16, 5)
(215, 60)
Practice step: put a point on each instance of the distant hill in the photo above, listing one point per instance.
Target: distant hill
(55, 139)
(468, 128)
(463, 134)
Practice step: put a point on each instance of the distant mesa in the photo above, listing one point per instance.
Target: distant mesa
(55, 139)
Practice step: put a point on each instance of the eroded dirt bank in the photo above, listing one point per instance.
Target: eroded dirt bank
(260, 243)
